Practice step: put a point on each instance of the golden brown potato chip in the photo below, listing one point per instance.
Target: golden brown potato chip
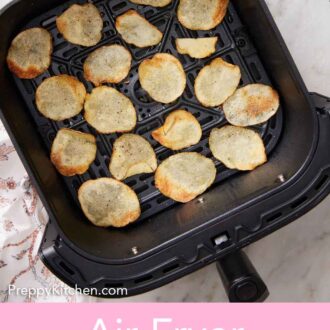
(251, 105)
(81, 25)
(163, 77)
(73, 152)
(202, 15)
(184, 176)
(180, 130)
(60, 97)
(216, 82)
(108, 64)
(132, 155)
(238, 148)
(136, 30)
(30, 53)
(197, 47)
(107, 202)
(153, 3)
(109, 111)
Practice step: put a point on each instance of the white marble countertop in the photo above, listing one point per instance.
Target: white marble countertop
(295, 261)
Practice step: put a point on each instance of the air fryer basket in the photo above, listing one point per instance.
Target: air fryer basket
(69, 59)
(171, 240)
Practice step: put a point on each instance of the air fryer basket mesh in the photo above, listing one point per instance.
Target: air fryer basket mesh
(234, 46)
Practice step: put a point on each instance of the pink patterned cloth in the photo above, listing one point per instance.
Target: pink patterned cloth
(22, 222)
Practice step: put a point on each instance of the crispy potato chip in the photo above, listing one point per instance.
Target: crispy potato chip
(73, 152)
(30, 53)
(109, 111)
(216, 82)
(180, 130)
(202, 15)
(251, 105)
(136, 30)
(238, 148)
(81, 25)
(108, 64)
(163, 77)
(107, 202)
(197, 47)
(132, 155)
(153, 3)
(184, 176)
(60, 97)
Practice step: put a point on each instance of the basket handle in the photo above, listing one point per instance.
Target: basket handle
(240, 279)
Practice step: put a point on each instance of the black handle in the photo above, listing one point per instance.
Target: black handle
(240, 279)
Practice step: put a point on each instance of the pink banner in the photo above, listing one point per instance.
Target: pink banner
(164, 316)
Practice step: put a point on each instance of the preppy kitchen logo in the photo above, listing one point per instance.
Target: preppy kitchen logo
(156, 324)
(65, 291)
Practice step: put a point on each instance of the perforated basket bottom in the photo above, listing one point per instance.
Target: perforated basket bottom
(234, 46)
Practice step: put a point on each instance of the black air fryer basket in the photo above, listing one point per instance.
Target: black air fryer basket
(171, 240)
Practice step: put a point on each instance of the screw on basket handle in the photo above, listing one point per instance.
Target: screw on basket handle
(240, 279)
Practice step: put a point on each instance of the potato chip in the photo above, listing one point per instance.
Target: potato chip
(197, 47)
(136, 30)
(109, 111)
(131, 155)
(185, 176)
(81, 25)
(251, 105)
(108, 64)
(60, 97)
(163, 77)
(73, 152)
(153, 3)
(30, 52)
(202, 15)
(216, 82)
(238, 148)
(180, 130)
(107, 202)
